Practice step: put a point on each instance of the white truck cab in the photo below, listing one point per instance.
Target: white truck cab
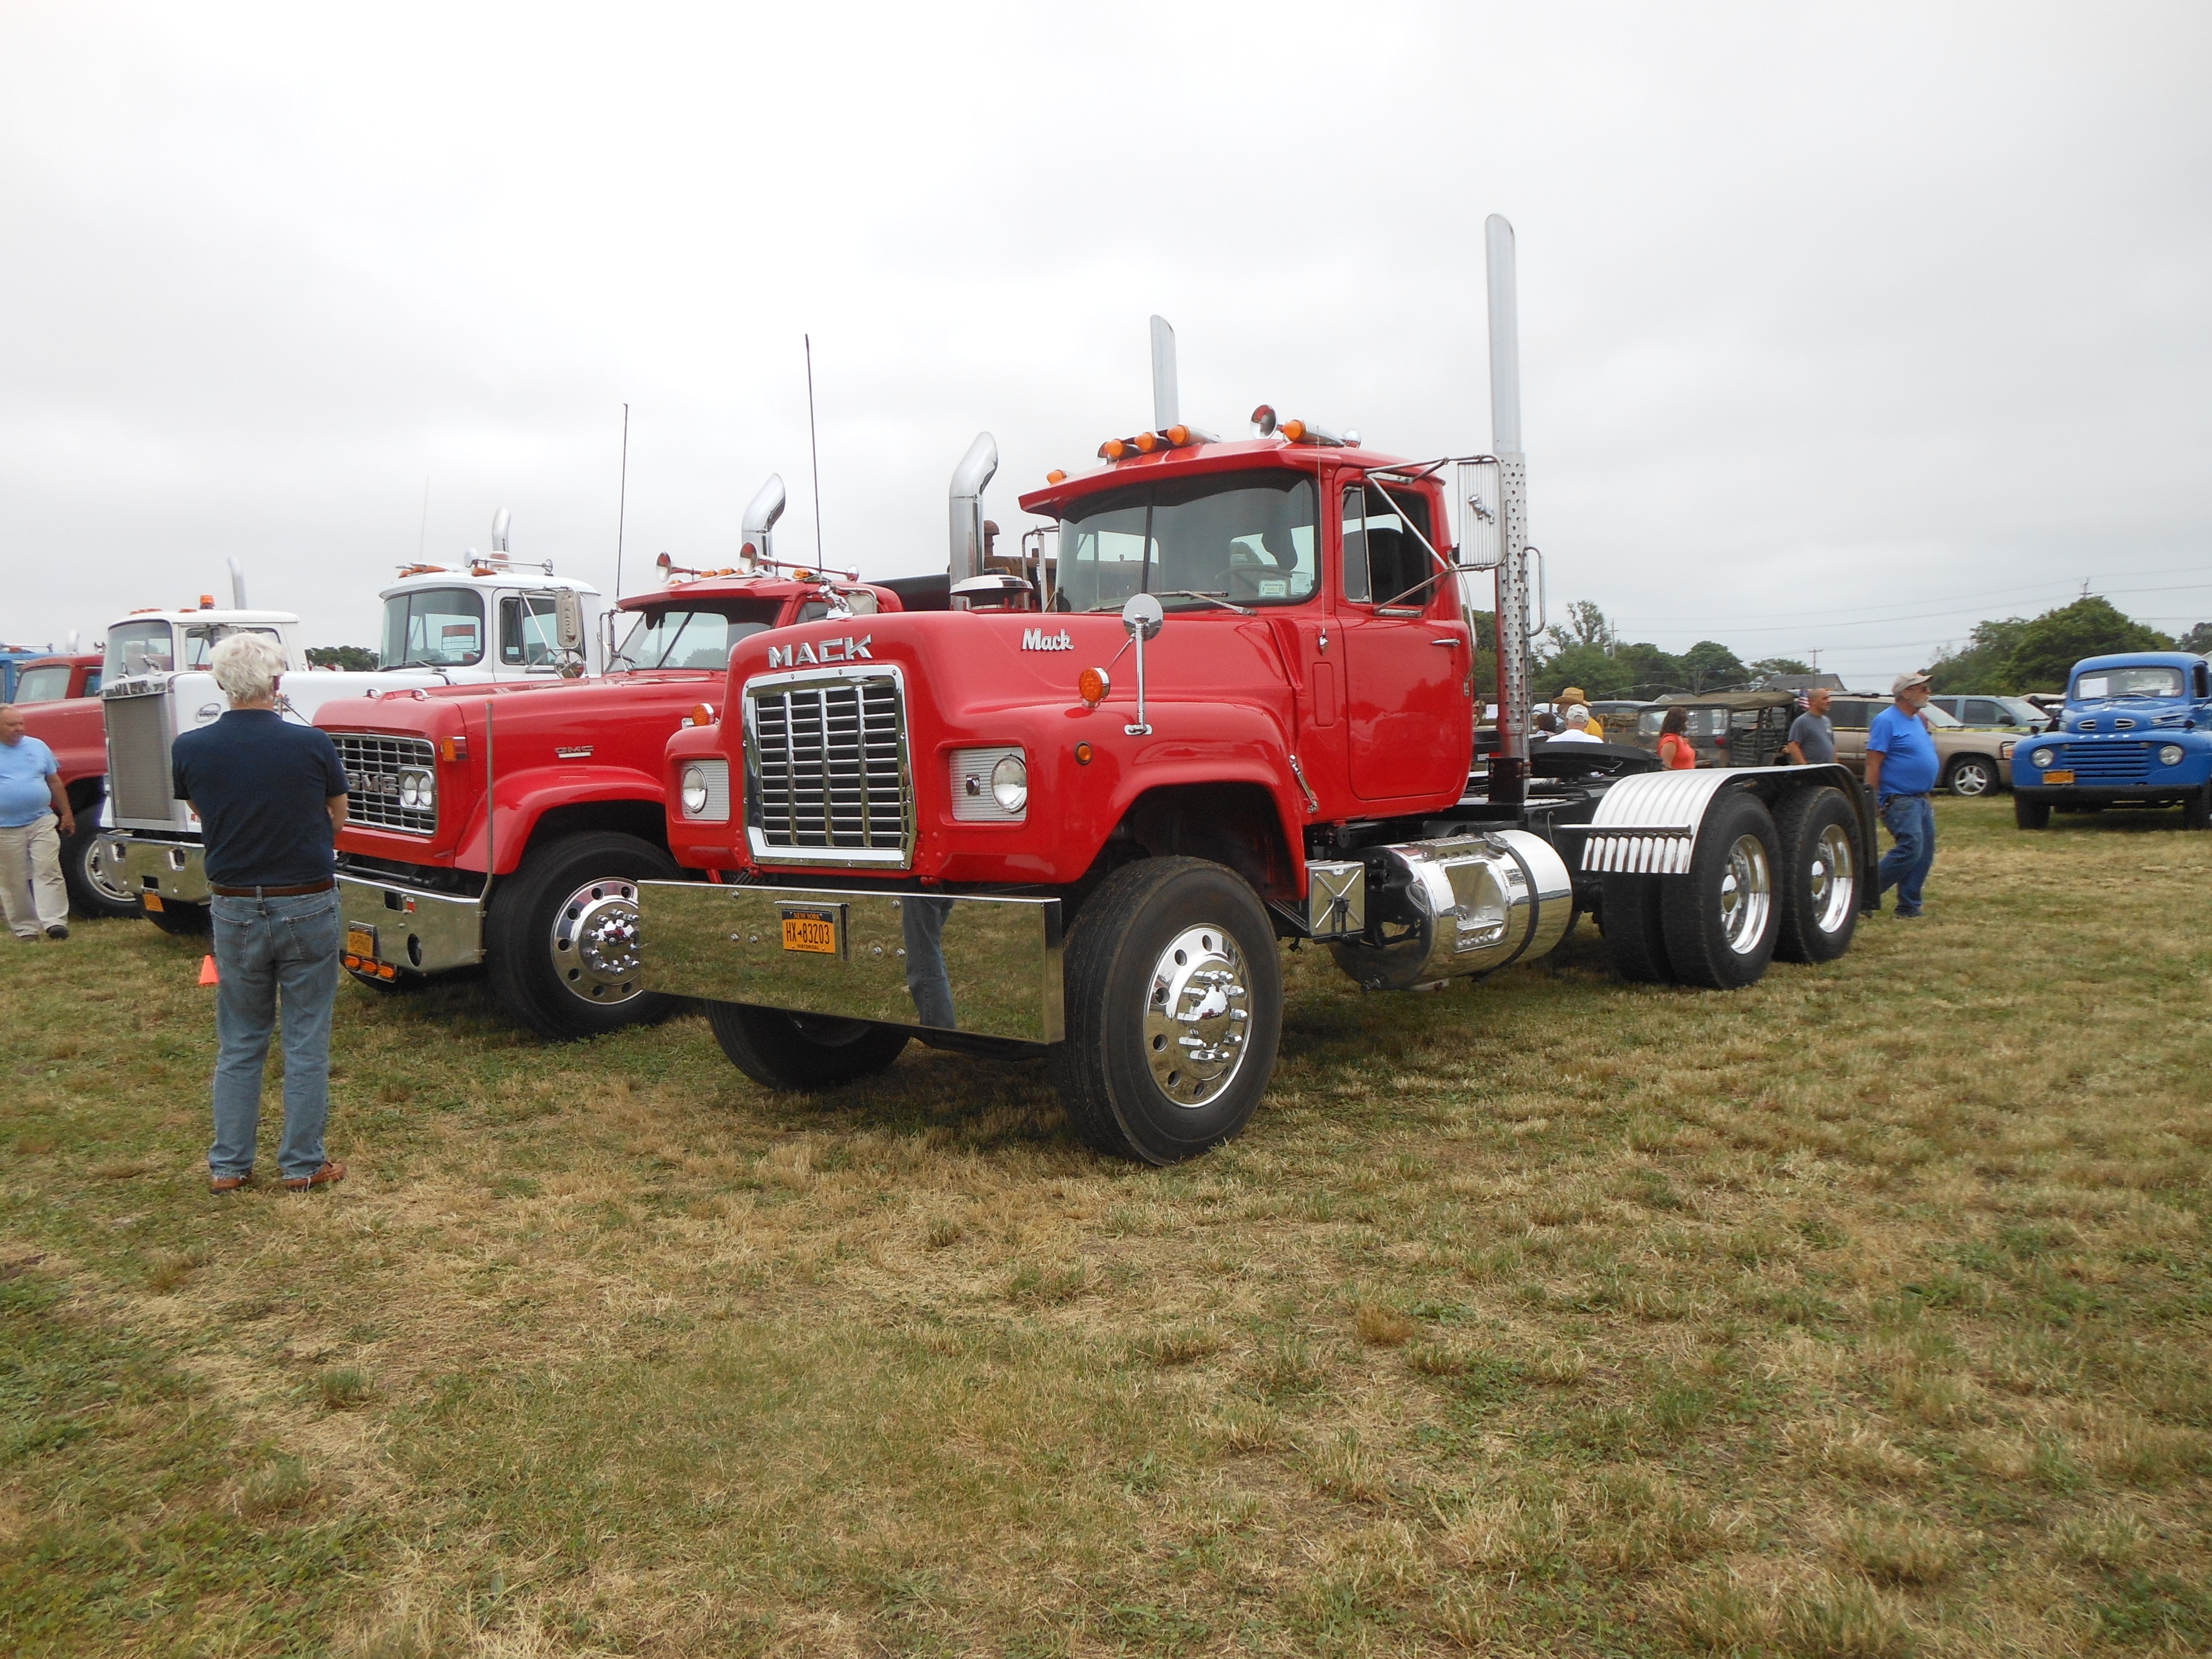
(487, 619)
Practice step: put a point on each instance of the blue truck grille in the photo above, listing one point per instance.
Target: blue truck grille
(2106, 762)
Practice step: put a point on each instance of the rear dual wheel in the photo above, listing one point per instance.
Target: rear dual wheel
(1718, 924)
(1818, 833)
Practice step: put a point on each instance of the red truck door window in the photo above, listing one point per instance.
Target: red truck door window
(1411, 726)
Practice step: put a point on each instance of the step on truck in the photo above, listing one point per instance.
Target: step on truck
(509, 824)
(490, 619)
(2136, 730)
(1074, 816)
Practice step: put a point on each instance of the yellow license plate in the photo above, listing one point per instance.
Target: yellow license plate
(360, 942)
(2063, 776)
(816, 934)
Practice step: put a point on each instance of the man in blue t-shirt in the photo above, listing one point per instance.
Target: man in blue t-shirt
(1900, 770)
(32, 805)
(272, 796)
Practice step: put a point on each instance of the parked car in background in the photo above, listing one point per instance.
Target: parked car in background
(1975, 760)
(1726, 728)
(1620, 715)
(1993, 712)
(2137, 732)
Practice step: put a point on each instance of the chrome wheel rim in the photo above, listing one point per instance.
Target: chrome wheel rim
(1970, 779)
(1198, 1006)
(1747, 895)
(98, 877)
(1834, 880)
(594, 942)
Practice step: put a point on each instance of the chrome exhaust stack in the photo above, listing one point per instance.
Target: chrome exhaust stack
(969, 479)
(237, 586)
(759, 523)
(1165, 396)
(1509, 768)
(1465, 904)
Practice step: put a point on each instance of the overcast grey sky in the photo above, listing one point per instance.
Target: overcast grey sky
(1842, 328)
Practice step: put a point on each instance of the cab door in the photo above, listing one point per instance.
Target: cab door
(1409, 722)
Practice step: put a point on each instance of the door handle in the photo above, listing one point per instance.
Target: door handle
(1449, 645)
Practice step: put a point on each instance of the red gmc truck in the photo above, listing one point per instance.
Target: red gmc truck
(541, 888)
(1076, 814)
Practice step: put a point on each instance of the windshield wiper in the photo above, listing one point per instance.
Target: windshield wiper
(1211, 599)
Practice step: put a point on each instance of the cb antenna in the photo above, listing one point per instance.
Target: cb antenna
(813, 449)
(622, 501)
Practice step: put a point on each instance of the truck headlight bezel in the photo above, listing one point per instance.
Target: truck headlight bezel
(1010, 784)
(2171, 753)
(2043, 757)
(417, 790)
(703, 790)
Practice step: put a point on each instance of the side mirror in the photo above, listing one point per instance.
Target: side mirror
(1482, 516)
(1143, 615)
(568, 619)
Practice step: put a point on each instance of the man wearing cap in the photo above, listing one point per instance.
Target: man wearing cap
(1572, 699)
(1900, 770)
(272, 796)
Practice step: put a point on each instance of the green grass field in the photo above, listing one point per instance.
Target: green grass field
(1865, 1312)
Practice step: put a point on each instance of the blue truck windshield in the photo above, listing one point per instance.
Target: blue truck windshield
(2150, 681)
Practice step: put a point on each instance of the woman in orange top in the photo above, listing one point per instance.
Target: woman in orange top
(1675, 753)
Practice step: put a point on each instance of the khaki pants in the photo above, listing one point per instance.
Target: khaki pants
(31, 878)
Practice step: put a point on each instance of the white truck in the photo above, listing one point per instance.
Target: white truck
(491, 618)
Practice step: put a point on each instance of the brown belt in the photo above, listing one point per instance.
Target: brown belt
(322, 886)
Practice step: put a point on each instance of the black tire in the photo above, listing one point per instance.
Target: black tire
(2031, 814)
(561, 941)
(92, 892)
(802, 1052)
(1125, 1089)
(184, 920)
(1635, 939)
(1971, 777)
(1819, 879)
(2197, 811)
(1721, 920)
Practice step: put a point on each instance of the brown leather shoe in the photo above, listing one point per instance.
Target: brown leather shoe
(228, 1184)
(331, 1172)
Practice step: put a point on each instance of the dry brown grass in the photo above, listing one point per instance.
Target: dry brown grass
(1861, 1313)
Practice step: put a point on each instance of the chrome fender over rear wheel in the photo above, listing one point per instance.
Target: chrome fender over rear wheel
(1175, 994)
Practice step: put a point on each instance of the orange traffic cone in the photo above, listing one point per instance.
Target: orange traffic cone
(207, 971)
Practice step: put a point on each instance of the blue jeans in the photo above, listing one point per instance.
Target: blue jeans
(270, 950)
(1911, 819)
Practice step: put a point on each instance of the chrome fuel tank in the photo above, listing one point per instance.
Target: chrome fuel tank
(1468, 904)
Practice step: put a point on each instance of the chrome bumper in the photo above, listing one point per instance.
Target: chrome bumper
(173, 869)
(983, 967)
(422, 932)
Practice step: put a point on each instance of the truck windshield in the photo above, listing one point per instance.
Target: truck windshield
(2148, 682)
(140, 647)
(1248, 538)
(694, 635)
(434, 628)
(43, 685)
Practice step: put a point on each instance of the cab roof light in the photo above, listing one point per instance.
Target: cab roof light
(1178, 436)
(1305, 432)
(1058, 475)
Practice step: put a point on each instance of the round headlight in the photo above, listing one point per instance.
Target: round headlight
(695, 790)
(1010, 783)
(410, 789)
(2170, 754)
(2042, 758)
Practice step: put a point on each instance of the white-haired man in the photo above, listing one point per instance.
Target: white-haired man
(272, 796)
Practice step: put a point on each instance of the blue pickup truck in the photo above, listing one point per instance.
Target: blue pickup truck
(2137, 730)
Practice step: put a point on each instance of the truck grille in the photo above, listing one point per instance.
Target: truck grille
(373, 765)
(138, 779)
(826, 767)
(2107, 762)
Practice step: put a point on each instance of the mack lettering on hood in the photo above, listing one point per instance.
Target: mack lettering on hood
(814, 653)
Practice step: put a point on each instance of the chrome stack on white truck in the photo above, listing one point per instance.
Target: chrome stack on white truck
(490, 618)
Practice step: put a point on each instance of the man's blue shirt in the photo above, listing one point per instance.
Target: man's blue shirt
(25, 766)
(261, 784)
(1907, 752)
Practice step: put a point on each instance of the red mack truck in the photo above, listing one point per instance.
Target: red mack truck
(1075, 815)
(509, 824)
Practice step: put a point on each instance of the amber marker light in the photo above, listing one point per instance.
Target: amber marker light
(1146, 442)
(1083, 753)
(1092, 685)
(1112, 450)
(1056, 476)
(1294, 431)
(453, 749)
(703, 714)
(1178, 436)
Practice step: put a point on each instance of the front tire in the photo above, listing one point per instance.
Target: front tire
(1175, 999)
(1971, 777)
(1820, 875)
(802, 1052)
(562, 940)
(2197, 811)
(1721, 920)
(96, 891)
(2031, 814)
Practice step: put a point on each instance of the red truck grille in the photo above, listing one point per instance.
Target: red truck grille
(826, 768)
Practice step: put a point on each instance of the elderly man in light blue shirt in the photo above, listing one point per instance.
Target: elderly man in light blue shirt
(31, 804)
(1901, 769)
